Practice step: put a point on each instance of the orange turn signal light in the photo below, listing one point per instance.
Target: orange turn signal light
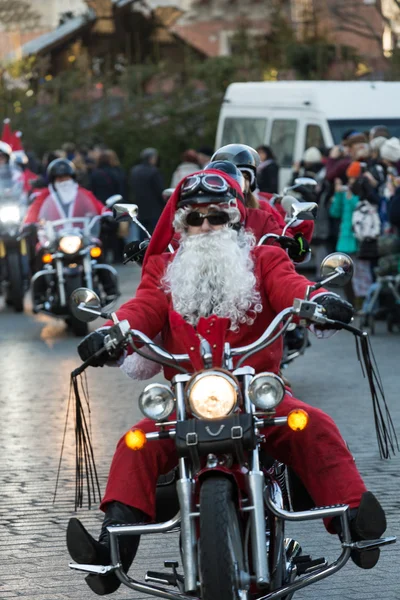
(47, 258)
(136, 439)
(297, 419)
(95, 252)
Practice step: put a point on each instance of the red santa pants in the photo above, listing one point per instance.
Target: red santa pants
(318, 455)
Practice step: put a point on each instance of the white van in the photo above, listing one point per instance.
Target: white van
(291, 116)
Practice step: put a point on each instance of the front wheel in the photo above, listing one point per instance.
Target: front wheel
(221, 555)
(16, 286)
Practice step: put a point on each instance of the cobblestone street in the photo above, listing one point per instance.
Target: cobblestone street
(36, 357)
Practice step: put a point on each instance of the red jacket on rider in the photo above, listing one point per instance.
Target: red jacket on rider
(306, 228)
(318, 454)
(46, 206)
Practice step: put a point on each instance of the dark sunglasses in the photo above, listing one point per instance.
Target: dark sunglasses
(196, 218)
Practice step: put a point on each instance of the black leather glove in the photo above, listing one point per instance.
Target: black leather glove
(91, 344)
(298, 247)
(336, 308)
(135, 251)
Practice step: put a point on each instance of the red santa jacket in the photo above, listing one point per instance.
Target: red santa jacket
(306, 228)
(151, 312)
(84, 204)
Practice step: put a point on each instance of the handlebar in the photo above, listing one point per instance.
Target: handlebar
(311, 311)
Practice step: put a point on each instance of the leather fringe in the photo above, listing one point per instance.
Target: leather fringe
(384, 427)
(85, 466)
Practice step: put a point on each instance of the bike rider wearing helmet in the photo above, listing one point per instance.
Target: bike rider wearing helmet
(246, 160)
(65, 198)
(217, 286)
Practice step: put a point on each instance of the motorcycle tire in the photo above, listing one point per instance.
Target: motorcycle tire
(16, 289)
(221, 555)
(79, 328)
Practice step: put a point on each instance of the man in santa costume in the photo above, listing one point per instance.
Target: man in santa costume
(64, 199)
(221, 287)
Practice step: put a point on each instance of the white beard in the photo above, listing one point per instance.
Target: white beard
(213, 273)
(67, 190)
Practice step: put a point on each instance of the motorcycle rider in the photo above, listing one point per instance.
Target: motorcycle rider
(219, 286)
(64, 198)
(247, 160)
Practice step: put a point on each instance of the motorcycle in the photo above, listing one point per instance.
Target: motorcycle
(69, 252)
(14, 269)
(233, 502)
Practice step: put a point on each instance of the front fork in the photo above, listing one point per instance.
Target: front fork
(186, 489)
(60, 272)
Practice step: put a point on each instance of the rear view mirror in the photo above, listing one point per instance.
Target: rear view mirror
(167, 194)
(113, 200)
(305, 181)
(306, 211)
(125, 212)
(91, 301)
(338, 264)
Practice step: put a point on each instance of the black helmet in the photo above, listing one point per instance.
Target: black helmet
(244, 157)
(60, 167)
(229, 168)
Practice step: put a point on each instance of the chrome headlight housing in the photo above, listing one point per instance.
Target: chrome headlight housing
(266, 391)
(10, 214)
(70, 244)
(157, 401)
(212, 394)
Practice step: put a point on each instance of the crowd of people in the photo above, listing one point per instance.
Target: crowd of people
(358, 193)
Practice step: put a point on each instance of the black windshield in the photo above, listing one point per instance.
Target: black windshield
(339, 127)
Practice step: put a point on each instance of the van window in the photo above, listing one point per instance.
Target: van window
(339, 127)
(314, 137)
(239, 130)
(282, 142)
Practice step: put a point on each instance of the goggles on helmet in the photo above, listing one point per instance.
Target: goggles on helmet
(208, 183)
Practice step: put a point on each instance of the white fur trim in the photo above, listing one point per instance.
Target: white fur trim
(139, 368)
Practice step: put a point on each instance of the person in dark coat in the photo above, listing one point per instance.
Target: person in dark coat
(267, 171)
(107, 178)
(147, 184)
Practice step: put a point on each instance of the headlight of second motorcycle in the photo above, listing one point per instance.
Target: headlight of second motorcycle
(70, 244)
(266, 391)
(212, 395)
(10, 214)
(157, 401)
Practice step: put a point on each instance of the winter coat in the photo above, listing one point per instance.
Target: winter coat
(267, 177)
(106, 181)
(147, 184)
(342, 208)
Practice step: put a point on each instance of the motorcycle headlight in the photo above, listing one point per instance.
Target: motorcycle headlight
(69, 244)
(266, 391)
(10, 214)
(157, 401)
(212, 395)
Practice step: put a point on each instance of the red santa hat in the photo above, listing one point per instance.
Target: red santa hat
(164, 231)
(16, 143)
(7, 134)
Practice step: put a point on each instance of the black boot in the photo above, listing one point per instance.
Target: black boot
(367, 522)
(84, 549)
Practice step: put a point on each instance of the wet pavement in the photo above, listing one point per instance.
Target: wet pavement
(36, 356)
